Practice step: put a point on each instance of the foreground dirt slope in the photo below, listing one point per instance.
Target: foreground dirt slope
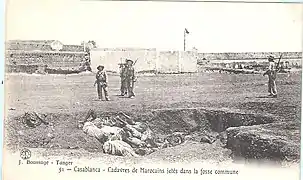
(270, 141)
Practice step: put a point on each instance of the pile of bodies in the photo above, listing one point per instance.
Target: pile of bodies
(122, 136)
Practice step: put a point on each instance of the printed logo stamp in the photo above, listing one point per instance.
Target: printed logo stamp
(25, 154)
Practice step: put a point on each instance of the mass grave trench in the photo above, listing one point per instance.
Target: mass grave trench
(248, 135)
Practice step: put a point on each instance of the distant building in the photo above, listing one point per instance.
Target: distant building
(46, 45)
(52, 53)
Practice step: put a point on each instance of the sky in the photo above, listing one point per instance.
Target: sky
(213, 27)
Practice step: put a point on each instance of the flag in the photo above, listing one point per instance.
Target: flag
(186, 31)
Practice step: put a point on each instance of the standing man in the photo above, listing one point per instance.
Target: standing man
(123, 88)
(101, 81)
(130, 78)
(271, 72)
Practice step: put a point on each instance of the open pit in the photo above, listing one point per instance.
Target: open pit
(243, 134)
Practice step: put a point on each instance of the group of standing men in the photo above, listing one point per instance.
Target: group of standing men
(128, 78)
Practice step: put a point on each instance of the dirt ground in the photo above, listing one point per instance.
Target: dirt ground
(74, 93)
(68, 97)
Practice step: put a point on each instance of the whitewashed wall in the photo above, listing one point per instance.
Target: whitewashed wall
(168, 62)
(147, 60)
(188, 62)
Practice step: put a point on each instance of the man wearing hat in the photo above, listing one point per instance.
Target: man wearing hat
(123, 88)
(271, 72)
(101, 81)
(87, 62)
(130, 78)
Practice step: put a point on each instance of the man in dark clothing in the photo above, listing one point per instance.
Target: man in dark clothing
(130, 78)
(123, 88)
(101, 81)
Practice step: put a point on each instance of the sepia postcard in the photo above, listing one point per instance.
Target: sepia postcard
(150, 89)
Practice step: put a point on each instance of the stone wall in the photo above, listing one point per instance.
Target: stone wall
(40, 52)
(28, 46)
(22, 68)
(41, 46)
(73, 48)
(63, 60)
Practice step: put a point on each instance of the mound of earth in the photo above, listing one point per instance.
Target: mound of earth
(166, 121)
(275, 141)
(61, 133)
(192, 151)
